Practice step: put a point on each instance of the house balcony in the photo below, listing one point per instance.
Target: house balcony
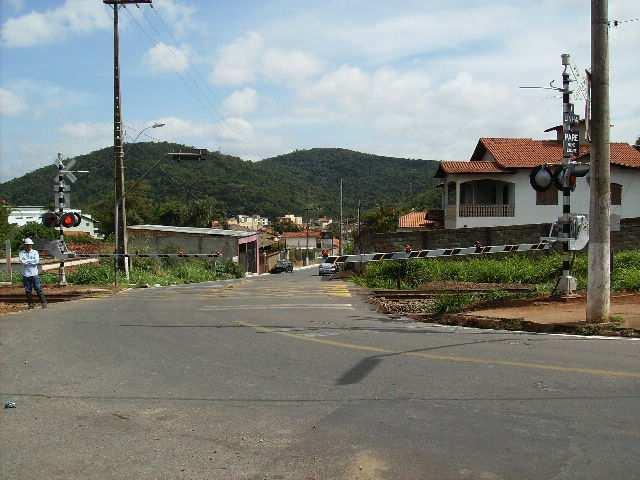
(486, 210)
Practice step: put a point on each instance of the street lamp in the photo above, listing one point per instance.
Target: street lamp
(120, 220)
(154, 125)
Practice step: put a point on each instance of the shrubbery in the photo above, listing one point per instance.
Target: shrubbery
(157, 271)
(541, 270)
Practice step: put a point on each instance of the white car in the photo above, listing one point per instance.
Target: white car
(327, 266)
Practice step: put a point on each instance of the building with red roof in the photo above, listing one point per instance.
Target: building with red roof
(492, 188)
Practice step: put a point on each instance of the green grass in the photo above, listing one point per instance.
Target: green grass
(541, 270)
(144, 271)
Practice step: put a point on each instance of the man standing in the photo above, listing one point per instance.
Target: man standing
(30, 260)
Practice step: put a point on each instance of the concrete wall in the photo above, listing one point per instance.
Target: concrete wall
(171, 242)
(627, 238)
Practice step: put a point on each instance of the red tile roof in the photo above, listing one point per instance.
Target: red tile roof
(529, 153)
(622, 154)
(415, 220)
(447, 167)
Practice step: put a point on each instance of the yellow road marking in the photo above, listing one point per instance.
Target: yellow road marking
(447, 358)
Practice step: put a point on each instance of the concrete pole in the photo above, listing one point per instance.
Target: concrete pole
(598, 289)
(340, 243)
(118, 152)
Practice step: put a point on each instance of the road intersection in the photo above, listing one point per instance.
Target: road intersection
(291, 376)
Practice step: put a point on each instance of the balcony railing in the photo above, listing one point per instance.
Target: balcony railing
(480, 210)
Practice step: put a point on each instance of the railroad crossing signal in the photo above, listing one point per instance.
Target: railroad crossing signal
(66, 220)
(563, 177)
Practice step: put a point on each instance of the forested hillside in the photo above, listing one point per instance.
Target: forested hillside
(164, 189)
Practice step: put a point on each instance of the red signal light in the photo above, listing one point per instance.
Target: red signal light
(69, 220)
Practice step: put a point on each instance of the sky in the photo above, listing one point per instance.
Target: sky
(258, 78)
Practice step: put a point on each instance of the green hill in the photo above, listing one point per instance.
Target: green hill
(271, 187)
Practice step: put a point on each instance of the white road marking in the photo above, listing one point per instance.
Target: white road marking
(338, 306)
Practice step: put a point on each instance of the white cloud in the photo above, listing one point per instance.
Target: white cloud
(164, 58)
(231, 135)
(10, 103)
(74, 16)
(16, 5)
(82, 137)
(247, 58)
(289, 65)
(236, 62)
(240, 102)
(177, 15)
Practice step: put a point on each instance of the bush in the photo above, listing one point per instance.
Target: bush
(151, 271)
(452, 303)
(542, 270)
(626, 279)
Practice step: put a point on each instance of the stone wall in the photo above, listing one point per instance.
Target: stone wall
(627, 238)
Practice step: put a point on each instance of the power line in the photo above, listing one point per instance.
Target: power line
(205, 105)
(617, 23)
(195, 79)
(167, 28)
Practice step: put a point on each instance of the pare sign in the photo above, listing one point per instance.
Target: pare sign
(571, 144)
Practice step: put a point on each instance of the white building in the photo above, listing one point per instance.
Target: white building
(20, 216)
(493, 187)
(292, 218)
(250, 222)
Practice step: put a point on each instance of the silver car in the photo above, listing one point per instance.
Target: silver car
(327, 266)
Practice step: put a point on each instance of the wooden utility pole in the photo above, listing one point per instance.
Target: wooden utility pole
(598, 289)
(118, 148)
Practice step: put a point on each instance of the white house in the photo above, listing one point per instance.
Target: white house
(250, 222)
(493, 188)
(20, 216)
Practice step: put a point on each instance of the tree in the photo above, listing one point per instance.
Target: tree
(139, 206)
(172, 212)
(382, 219)
(638, 142)
(201, 212)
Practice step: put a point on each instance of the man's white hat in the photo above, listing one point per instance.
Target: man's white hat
(28, 241)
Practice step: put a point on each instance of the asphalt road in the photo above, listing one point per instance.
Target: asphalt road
(293, 377)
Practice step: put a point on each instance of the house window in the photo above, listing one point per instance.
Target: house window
(616, 194)
(451, 193)
(549, 197)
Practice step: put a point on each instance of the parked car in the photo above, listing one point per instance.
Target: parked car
(282, 266)
(327, 266)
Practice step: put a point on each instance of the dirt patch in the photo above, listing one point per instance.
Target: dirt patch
(548, 316)
(625, 308)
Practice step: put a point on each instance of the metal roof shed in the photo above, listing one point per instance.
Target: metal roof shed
(240, 246)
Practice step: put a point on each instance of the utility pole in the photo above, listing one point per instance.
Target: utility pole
(358, 220)
(306, 252)
(598, 289)
(118, 149)
(340, 242)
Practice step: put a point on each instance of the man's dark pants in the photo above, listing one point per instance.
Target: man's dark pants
(33, 283)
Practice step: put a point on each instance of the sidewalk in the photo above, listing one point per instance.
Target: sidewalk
(624, 306)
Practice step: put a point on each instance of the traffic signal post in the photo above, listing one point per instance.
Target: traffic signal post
(62, 279)
(60, 219)
(564, 178)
